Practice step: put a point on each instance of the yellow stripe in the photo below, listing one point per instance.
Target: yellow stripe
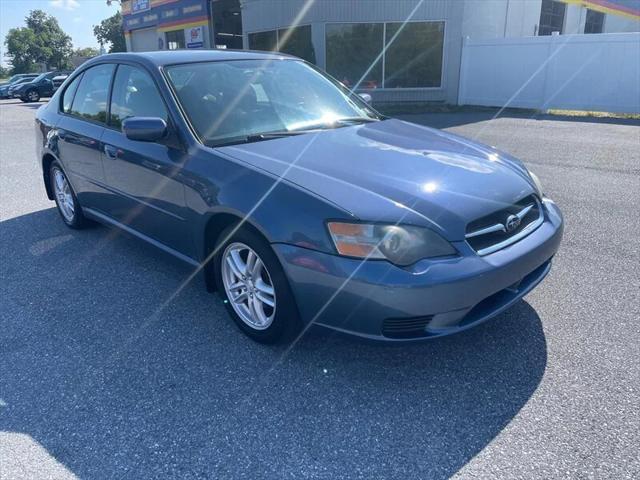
(600, 8)
(182, 26)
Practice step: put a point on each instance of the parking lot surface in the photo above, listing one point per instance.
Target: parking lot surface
(109, 369)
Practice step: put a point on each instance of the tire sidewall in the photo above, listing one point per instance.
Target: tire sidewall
(286, 321)
(37, 96)
(78, 218)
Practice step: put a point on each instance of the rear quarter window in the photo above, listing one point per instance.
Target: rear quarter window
(69, 93)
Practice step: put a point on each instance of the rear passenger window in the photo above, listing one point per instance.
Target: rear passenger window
(134, 95)
(92, 96)
(69, 93)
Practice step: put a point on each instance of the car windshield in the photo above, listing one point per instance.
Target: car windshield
(236, 101)
(40, 77)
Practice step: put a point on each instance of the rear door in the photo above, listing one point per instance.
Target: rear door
(82, 124)
(145, 177)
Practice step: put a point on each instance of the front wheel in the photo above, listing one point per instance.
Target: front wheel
(254, 287)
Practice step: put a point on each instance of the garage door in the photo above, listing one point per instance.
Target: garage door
(144, 40)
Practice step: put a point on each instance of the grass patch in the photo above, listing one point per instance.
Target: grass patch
(586, 113)
(409, 108)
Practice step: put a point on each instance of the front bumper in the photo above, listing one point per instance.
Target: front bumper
(379, 301)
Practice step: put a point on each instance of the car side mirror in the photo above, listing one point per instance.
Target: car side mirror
(366, 97)
(144, 129)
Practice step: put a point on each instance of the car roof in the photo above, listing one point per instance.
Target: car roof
(169, 57)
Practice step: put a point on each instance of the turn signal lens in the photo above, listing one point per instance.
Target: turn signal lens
(400, 244)
(355, 240)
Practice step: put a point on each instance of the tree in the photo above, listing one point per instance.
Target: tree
(41, 41)
(86, 52)
(19, 42)
(110, 32)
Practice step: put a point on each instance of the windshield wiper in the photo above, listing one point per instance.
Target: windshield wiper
(351, 120)
(257, 137)
(337, 123)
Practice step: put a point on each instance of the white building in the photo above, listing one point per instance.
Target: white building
(422, 59)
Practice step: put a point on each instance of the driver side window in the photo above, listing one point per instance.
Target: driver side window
(135, 95)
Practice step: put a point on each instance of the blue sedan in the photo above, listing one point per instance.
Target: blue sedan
(300, 203)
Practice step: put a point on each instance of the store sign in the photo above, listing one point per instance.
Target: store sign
(194, 37)
(140, 5)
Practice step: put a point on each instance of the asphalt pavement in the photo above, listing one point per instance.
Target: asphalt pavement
(113, 366)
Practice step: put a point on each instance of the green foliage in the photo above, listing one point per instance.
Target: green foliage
(86, 52)
(41, 41)
(110, 32)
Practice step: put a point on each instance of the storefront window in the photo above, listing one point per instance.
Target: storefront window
(175, 39)
(352, 50)
(297, 41)
(293, 41)
(414, 59)
(551, 17)
(266, 41)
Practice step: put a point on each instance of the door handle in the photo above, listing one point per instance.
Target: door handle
(111, 152)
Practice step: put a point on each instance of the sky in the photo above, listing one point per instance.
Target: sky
(76, 17)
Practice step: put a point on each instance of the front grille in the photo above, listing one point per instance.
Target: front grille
(505, 226)
(405, 327)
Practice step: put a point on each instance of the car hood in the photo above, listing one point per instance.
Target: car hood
(395, 171)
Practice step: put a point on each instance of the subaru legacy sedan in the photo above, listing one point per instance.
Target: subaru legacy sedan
(300, 204)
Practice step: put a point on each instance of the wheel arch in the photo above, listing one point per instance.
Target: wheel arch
(47, 160)
(215, 225)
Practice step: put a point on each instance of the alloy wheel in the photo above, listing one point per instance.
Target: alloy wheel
(248, 286)
(33, 96)
(63, 194)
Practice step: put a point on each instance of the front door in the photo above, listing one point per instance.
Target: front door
(80, 131)
(145, 176)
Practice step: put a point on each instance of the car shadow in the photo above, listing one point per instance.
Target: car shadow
(119, 363)
(33, 105)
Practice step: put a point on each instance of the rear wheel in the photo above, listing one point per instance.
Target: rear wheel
(254, 287)
(66, 201)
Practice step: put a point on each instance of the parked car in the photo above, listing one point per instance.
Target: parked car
(42, 86)
(17, 77)
(15, 80)
(301, 204)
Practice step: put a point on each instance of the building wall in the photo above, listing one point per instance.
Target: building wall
(501, 18)
(616, 23)
(520, 18)
(156, 17)
(263, 15)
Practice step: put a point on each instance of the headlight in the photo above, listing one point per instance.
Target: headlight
(536, 182)
(400, 244)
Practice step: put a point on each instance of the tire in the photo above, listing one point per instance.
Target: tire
(284, 320)
(31, 96)
(65, 198)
